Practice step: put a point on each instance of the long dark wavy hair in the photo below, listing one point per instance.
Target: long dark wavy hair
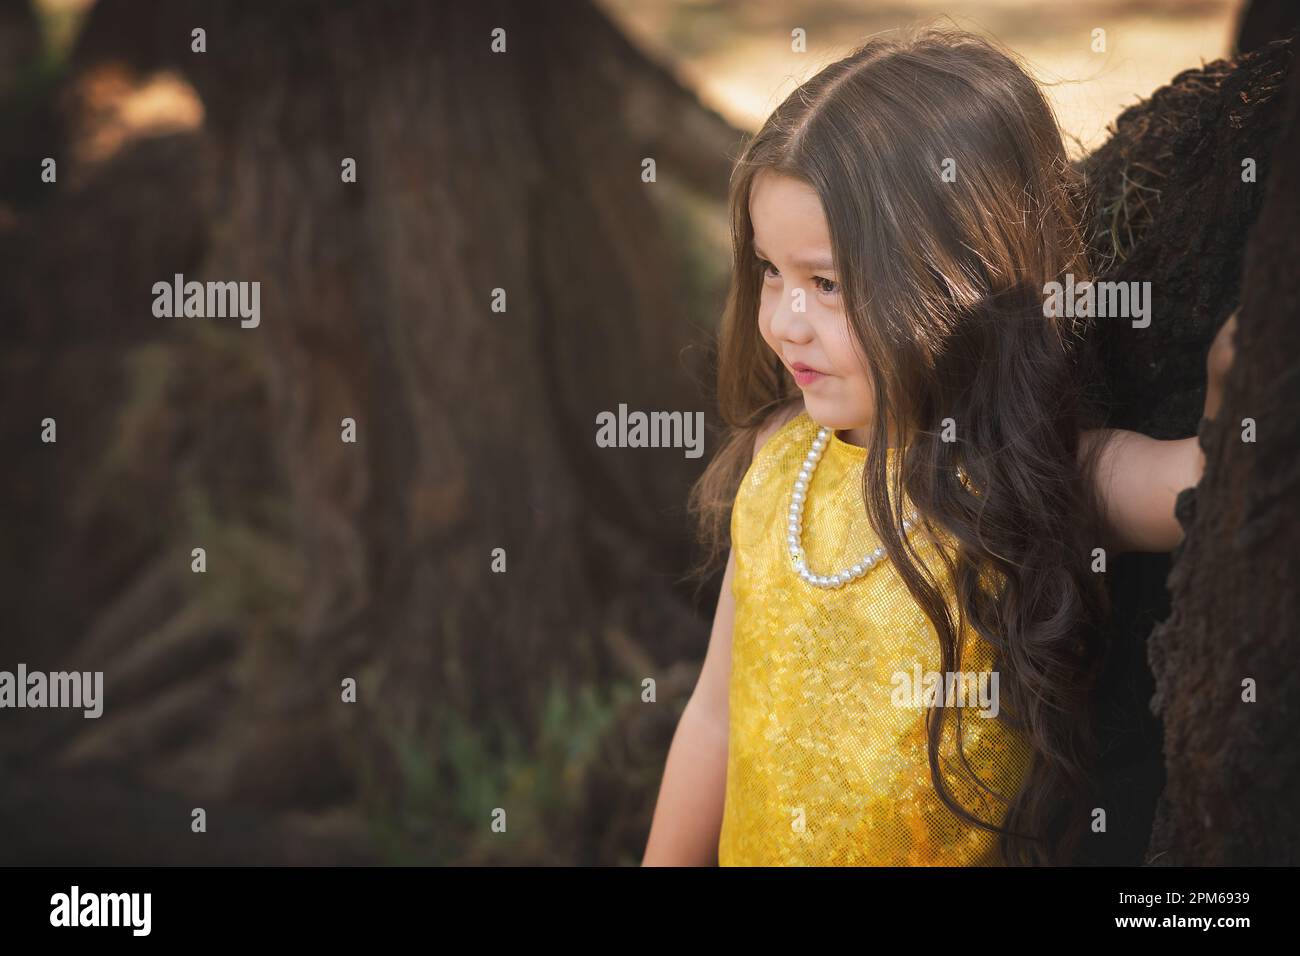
(942, 283)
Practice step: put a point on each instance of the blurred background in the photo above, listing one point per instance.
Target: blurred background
(725, 50)
(328, 560)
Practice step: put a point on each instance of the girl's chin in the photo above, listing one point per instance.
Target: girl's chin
(833, 415)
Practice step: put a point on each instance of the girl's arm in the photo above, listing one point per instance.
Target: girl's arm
(688, 816)
(1140, 477)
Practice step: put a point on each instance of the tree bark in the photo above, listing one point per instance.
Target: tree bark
(477, 171)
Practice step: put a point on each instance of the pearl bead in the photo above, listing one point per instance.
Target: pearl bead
(798, 499)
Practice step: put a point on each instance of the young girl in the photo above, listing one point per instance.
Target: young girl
(914, 493)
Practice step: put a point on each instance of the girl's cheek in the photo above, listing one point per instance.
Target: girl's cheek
(765, 320)
(848, 359)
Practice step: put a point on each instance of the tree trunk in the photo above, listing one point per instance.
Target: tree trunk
(476, 429)
(477, 171)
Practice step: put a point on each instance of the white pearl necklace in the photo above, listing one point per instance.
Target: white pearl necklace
(794, 537)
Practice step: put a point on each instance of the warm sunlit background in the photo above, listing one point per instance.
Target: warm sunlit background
(736, 53)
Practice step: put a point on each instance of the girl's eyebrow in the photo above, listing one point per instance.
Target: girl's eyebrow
(822, 263)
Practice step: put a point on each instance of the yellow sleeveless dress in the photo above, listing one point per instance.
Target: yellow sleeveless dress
(825, 766)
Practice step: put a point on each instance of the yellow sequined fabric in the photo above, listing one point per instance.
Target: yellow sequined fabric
(827, 764)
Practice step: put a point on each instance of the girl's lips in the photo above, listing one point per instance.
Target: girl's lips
(807, 376)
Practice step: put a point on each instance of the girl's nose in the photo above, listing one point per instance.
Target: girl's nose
(789, 323)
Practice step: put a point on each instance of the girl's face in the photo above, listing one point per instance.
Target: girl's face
(800, 313)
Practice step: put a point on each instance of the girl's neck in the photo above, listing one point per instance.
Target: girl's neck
(861, 436)
(854, 436)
